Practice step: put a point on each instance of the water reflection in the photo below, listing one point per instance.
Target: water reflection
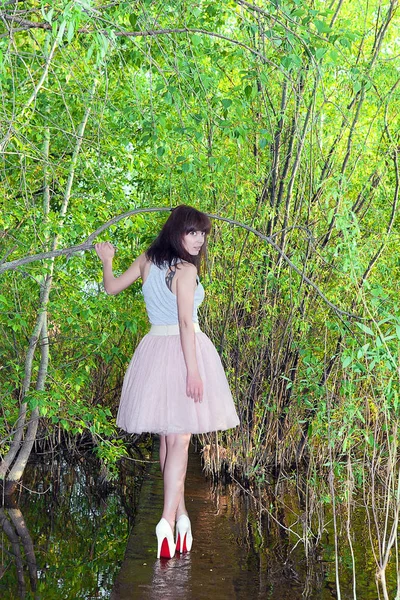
(171, 577)
(71, 542)
(21, 546)
(291, 544)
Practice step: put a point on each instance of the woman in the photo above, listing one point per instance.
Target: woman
(175, 384)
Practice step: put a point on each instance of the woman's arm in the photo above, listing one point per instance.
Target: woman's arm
(114, 285)
(185, 288)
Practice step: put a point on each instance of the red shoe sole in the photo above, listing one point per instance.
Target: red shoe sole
(164, 552)
(178, 544)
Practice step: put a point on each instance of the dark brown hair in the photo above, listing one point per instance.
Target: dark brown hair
(168, 247)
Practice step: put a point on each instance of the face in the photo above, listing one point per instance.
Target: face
(193, 241)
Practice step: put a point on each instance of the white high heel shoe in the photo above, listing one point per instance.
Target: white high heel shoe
(184, 538)
(165, 540)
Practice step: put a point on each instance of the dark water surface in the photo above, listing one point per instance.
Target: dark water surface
(72, 536)
(236, 553)
(222, 564)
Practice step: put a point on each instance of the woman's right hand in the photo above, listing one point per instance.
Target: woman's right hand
(105, 251)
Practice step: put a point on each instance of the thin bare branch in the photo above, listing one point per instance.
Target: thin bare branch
(25, 25)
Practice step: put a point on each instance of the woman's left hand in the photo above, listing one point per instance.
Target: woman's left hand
(194, 387)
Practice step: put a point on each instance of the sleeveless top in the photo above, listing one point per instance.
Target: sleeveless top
(161, 304)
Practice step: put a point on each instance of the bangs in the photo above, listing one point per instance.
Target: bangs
(197, 222)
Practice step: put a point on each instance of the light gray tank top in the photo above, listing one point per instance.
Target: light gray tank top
(160, 302)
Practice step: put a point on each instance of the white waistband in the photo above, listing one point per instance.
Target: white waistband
(169, 329)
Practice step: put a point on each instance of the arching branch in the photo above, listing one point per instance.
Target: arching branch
(87, 245)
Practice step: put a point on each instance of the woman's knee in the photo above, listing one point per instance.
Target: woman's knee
(178, 440)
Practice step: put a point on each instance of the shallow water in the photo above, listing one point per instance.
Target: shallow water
(83, 544)
(240, 551)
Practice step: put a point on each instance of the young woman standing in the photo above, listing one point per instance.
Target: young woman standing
(175, 384)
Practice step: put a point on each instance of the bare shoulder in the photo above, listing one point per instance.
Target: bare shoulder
(142, 259)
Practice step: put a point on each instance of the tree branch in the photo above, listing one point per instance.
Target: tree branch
(33, 96)
(25, 25)
(87, 245)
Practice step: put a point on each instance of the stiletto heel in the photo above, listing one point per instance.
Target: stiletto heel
(165, 540)
(184, 538)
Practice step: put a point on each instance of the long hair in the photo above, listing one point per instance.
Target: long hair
(168, 247)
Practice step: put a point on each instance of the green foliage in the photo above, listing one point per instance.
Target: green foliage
(282, 117)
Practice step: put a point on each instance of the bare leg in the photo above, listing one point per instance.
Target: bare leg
(181, 510)
(163, 452)
(175, 465)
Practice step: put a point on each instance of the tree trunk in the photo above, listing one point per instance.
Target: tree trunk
(20, 448)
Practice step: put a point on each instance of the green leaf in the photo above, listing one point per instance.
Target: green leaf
(248, 91)
(291, 61)
(31, 400)
(334, 55)
(345, 42)
(187, 167)
(4, 301)
(298, 12)
(48, 17)
(196, 40)
(321, 26)
(346, 360)
(61, 31)
(89, 52)
(365, 328)
(70, 32)
(226, 102)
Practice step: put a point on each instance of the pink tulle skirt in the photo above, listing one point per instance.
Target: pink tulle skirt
(154, 396)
